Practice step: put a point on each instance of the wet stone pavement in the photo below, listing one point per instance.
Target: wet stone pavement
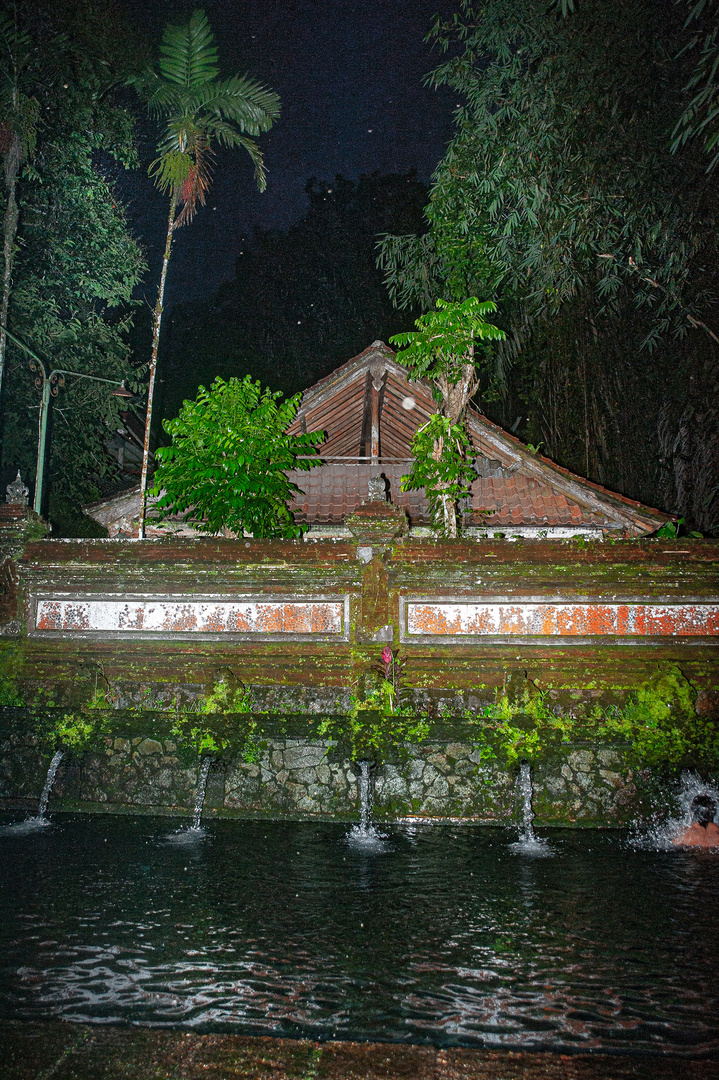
(63, 1051)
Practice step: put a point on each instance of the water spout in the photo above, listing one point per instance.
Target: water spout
(528, 842)
(365, 790)
(201, 789)
(526, 830)
(365, 835)
(39, 820)
(49, 781)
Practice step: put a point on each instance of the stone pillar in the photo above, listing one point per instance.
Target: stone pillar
(18, 526)
(375, 525)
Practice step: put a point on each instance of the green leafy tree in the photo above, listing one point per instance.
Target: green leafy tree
(559, 197)
(442, 467)
(559, 178)
(226, 469)
(199, 109)
(19, 111)
(75, 263)
(443, 350)
(700, 118)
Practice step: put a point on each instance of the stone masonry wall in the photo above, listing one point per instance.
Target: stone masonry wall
(306, 778)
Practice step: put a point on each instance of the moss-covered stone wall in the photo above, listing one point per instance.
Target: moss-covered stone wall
(307, 777)
(569, 683)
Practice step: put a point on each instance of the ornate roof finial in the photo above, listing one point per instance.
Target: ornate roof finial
(377, 489)
(17, 493)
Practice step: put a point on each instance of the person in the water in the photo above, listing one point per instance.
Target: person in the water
(703, 832)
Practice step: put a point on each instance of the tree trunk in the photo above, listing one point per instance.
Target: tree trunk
(156, 324)
(455, 399)
(449, 508)
(13, 159)
(456, 396)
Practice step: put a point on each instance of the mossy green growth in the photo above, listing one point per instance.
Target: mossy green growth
(658, 725)
(522, 730)
(219, 736)
(229, 726)
(661, 725)
(10, 693)
(381, 724)
(77, 733)
(374, 733)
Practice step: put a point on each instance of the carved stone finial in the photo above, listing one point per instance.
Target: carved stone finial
(377, 489)
(378, 370)
(17, 493)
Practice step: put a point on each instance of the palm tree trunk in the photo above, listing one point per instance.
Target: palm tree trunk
(13, 159)
(156, 324)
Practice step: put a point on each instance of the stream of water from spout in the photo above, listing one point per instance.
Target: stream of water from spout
(49, 781)
(39, 820)
(365, 788)
(201, 789)
(528, 841)
(526, 830)
(365, 835)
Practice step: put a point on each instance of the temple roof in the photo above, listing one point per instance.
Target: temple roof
(370, 410)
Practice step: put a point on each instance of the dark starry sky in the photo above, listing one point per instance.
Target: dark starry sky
(349, 74)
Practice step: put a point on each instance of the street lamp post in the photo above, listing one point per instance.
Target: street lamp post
(49, 382)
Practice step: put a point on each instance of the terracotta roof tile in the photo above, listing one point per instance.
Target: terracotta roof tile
(339, 405)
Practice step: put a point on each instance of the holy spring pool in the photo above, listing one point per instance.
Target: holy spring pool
(439, 934)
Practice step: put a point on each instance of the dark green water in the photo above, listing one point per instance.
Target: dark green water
(446, 936)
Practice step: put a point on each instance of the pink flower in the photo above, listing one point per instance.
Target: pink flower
(387, 655)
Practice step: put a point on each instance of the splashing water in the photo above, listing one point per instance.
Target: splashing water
(365, 835)
(201, 789)
(528, 843)
(193, 833)
(661, 836)
(39, 821)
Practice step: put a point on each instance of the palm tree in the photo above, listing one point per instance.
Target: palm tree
(199, 109)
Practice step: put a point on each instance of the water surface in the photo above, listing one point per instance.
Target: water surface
(440, 934)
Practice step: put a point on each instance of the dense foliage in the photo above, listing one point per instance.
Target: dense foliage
(75, 264)
(560, 197)
(700, 117)
(445, 348)
(227, 466)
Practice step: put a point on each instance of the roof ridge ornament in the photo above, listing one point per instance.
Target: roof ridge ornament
(377, 489)
(17, 492)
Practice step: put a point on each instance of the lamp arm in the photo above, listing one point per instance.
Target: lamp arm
(80, 375)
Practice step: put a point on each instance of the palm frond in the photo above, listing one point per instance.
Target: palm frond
(164, 98)
(257, 160)
(244, 101)
(188, 55)
(171, 170)
(195, 186)
(15, 44)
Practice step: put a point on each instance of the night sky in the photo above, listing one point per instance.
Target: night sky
(349, 75)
